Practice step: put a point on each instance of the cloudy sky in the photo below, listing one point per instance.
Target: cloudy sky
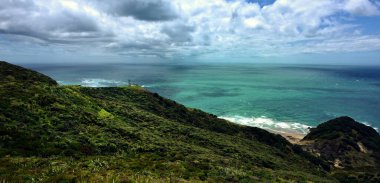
(214, 30)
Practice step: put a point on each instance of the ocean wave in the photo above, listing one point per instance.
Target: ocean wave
(101, 83)
(269, 124)
(370, 125)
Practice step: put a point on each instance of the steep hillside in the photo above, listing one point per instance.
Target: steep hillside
(9, 73)
(70, 133)
(351, 147)
(53, 133)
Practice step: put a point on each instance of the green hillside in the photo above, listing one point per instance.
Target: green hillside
(52, 133)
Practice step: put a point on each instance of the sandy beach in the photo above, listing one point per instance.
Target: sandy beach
(293, 138)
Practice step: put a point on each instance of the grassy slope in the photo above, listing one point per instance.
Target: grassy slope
(72, 133)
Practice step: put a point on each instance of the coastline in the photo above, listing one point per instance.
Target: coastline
(292, 137)
(291, 131)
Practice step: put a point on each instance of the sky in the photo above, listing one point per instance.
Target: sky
(81, 31)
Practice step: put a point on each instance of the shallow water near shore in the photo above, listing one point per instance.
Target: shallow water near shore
(288, 98)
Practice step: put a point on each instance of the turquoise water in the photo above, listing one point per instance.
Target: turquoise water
(278, 97)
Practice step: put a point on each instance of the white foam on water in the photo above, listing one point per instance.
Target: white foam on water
(101, 83)
(367, 124)
(269, 124)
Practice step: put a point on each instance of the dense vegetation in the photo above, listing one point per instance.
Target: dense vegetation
(52, 133)
(353, 148)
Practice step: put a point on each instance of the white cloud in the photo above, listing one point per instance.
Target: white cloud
(362, 7)
(192, 27)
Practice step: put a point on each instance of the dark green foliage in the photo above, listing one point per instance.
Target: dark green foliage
(9, 72)
(355, 145)
(342, 125)
(52, 133)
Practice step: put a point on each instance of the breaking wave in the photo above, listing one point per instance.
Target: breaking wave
(269, 124)
(101, 83)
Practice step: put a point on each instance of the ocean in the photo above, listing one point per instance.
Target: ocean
(278, 97)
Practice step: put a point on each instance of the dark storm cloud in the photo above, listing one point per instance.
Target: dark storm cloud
(148, 10)
(26, 18)
(179, 32)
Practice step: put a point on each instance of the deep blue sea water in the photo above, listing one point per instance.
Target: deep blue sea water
(279, 97)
